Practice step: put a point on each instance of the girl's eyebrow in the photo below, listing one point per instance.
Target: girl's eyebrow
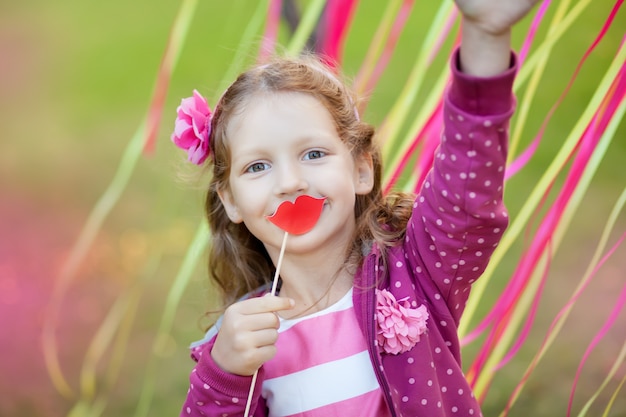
(258, 149)
(319, 134)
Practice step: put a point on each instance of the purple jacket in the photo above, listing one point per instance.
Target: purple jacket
(458, 219)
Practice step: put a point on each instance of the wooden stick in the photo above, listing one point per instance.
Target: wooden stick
(272, 292)
(278, 264)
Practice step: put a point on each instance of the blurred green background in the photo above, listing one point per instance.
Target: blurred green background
(76, 78)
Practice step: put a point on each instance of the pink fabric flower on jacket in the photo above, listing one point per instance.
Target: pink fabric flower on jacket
(399, 325)
(193, 127)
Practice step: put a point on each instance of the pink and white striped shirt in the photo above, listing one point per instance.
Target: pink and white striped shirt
(322, 367)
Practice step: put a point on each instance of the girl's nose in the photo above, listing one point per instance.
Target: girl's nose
(290, 180)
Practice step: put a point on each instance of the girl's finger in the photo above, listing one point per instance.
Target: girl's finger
(265, 337)
(265, 304)
(262, 321)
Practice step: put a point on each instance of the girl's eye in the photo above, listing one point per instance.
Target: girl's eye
(314, 155)
(257, 167)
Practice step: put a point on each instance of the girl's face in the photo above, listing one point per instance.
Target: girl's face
(284, 145)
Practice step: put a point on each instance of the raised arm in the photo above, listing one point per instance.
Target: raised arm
(486, 33)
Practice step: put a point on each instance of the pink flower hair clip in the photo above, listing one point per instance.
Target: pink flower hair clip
(399, 325)
(192, 128)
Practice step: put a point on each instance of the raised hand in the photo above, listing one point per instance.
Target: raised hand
(494, 16)
(486, 33)
(247, 337)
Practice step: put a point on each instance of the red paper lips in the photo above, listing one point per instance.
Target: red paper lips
(298, 217)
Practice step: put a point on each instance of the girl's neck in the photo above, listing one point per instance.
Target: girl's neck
(314, 279)
(313, 289)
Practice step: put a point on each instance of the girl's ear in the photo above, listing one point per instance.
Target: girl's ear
(231, 208)
(364, 171)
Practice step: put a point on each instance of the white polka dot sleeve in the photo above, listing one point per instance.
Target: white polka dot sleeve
(214, 392)
(459, 216)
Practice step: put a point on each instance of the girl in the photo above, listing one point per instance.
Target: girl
(370, 299)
